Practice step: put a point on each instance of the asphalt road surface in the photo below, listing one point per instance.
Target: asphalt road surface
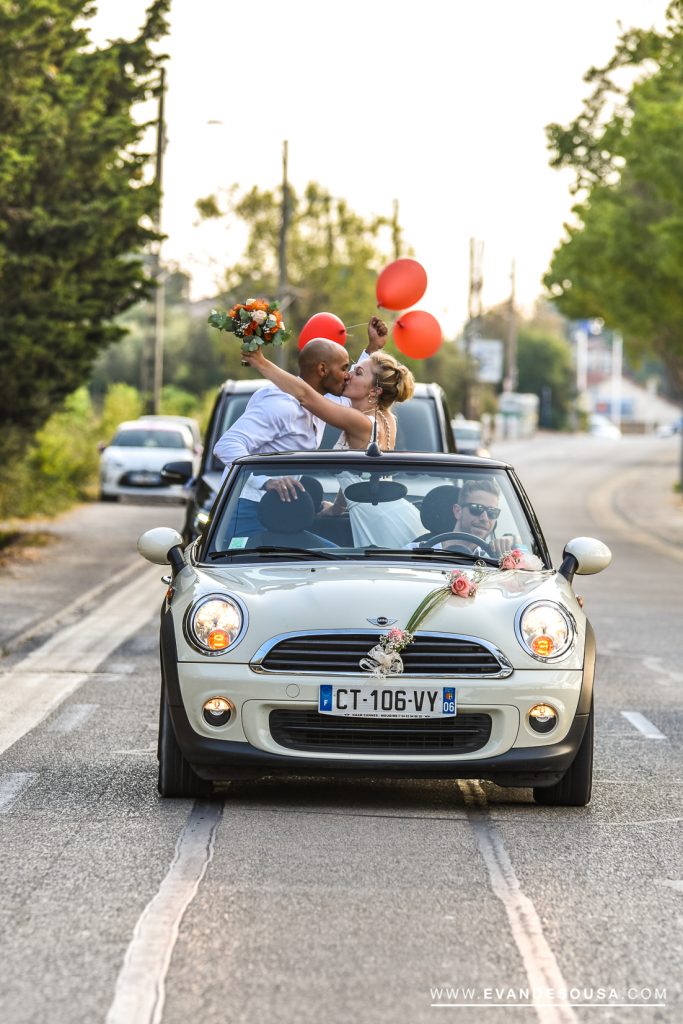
(365, 901)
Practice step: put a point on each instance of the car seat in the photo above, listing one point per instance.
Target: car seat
(436, 511)
(287, 523)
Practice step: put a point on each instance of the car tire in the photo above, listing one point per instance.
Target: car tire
(574, 788)
(108, 497)
(176, 778)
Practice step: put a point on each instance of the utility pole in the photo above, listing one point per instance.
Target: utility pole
(474, 311)
(160, 292)
(282, 288)
(396, 232)
(511, 379)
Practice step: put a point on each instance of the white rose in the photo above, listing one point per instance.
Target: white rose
(282, 326)
(258, 315)
(249, 302)
(272, 319)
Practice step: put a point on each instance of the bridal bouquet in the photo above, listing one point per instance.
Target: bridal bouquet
(256, 322)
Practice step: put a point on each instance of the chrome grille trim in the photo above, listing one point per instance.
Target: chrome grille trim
(313, 643)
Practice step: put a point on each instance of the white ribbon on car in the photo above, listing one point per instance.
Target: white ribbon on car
(381, 662)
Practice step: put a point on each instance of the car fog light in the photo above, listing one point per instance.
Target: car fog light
(218, 710)
(542, 718)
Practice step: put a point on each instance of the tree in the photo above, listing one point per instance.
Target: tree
(75, 205)
(623, 258)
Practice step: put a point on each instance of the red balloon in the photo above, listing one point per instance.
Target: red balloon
(417, 334)
(323, 325)
(401, 284)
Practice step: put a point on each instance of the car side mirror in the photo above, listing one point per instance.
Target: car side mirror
(584, 556)
(162, 546)
(101, 445)
(177, 472)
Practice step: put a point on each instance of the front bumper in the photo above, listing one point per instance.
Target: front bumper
(244, 748)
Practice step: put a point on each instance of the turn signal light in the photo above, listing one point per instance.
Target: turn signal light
(218, 639)
(542, 645)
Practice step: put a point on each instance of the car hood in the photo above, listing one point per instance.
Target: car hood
(145, 458)
(301, 597)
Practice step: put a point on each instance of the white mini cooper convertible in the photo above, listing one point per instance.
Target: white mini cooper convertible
(375, 614)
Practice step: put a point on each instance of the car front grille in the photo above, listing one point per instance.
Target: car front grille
(308, 730)
(430, 654)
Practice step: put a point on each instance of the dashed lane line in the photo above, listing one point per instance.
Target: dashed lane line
(643, 725)
(45, 678)
(72, 717)
(12, 785)
(141, 985)
(541, 967)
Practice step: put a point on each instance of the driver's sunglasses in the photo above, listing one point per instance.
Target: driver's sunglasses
(478, 510)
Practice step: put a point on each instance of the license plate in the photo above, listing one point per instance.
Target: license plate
(145, 478)
(387, 701)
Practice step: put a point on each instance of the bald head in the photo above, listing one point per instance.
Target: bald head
(324, 365)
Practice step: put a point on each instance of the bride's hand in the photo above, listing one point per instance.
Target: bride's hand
(377, 334)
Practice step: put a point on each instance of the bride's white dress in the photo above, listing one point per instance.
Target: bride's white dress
(391, 524)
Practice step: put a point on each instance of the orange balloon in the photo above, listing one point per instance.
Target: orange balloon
(323, 325)
(401, 284)
(417, 334)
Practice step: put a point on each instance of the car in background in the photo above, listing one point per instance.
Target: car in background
(469, 437)
(423, 424)
(602, 427)
(670, 429)
(186, 421)
(130, 466)
(296, 642)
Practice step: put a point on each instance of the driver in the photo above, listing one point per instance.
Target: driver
(476, 513)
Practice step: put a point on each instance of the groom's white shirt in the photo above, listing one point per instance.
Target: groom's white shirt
(272, 422)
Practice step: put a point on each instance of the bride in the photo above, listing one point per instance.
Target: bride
(372, 387)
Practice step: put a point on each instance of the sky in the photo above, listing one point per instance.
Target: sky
(441, 105)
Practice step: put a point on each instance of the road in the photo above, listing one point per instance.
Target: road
(375, 902)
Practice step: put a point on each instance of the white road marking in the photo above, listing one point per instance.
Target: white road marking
(72, 717)
(82, 601)
(539, 960)
(45, 678)
(644, 725)
(658, 673)
(673, 884)
(12, 785)
(140, 987)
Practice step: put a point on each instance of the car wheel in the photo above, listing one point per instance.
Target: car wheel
(574, 788)
(176, 778)
(108, 497)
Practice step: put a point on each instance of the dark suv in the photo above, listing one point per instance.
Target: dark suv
(423, 425)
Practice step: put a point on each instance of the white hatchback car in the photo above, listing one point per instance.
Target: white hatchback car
(385, 635)
(131, 465)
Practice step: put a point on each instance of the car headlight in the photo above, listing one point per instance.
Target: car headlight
(545, 630)
(214, 624)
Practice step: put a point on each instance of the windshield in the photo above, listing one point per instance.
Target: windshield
(149, 439)
(344, 509)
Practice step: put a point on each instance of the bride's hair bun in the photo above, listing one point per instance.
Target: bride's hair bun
(395, 379)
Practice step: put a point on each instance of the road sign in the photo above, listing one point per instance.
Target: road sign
(488, 352)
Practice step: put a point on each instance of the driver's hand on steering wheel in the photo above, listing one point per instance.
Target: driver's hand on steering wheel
(502, 545)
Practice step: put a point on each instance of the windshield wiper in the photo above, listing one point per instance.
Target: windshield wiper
(271, 549)
(443, 554)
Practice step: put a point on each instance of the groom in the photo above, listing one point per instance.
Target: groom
(276, 422)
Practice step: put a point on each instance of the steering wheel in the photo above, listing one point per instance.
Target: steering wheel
(469, 539)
